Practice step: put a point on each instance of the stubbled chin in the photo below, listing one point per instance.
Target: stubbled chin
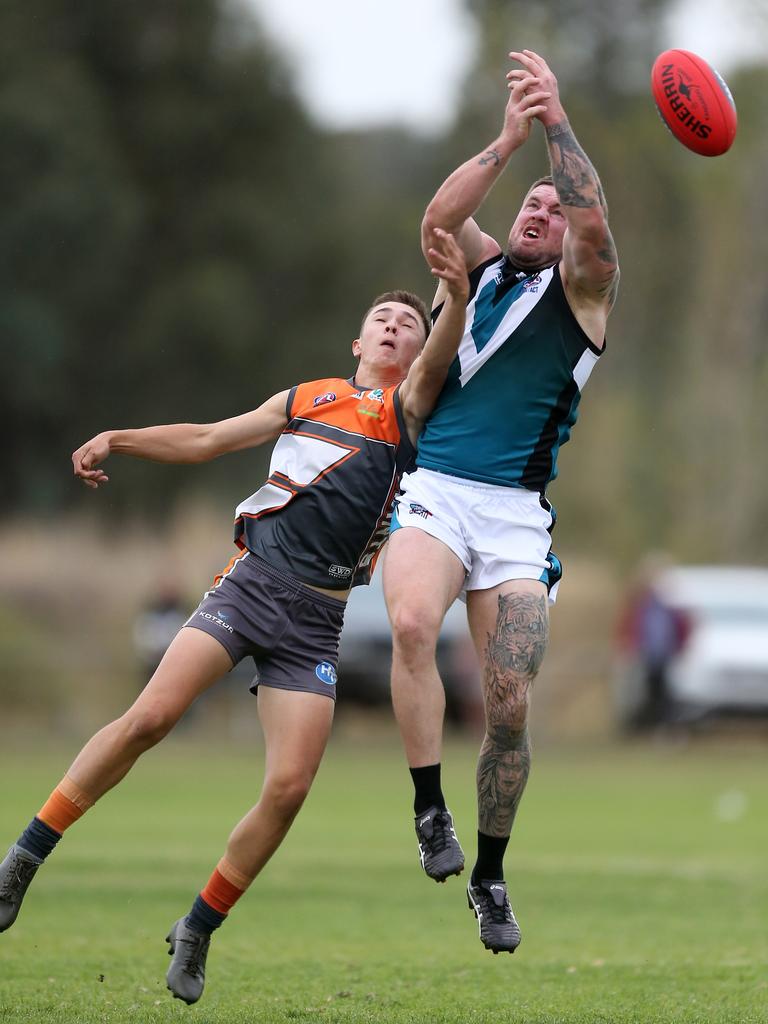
(530, 257)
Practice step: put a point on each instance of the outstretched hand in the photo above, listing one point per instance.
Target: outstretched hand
(86, 459)
(537, 74)
(446, 261)
(528, 98)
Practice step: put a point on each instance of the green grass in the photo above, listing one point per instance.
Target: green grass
(638, 876)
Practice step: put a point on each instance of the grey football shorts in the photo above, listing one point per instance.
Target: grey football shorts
(291, 631)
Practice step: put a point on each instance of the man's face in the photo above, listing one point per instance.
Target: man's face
(391, 337)
(536, 238)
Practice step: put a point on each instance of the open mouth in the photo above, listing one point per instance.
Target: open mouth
(389, 344)
(532, 233)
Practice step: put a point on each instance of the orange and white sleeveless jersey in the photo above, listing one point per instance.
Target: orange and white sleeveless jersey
(323, 514)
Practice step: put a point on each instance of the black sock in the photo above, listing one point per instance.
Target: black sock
(490, 858)
(428, 792)
(203, 918)
(38, 839)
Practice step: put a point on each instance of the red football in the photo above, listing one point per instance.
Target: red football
(694, 102)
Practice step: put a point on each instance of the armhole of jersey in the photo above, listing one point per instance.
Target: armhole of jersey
(404, 438)
(290, 401)
(557, 281)
(474, 281)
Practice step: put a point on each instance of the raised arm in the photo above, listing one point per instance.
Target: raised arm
(182, 442)
(462, 194)
(590, 262)
(419, 390)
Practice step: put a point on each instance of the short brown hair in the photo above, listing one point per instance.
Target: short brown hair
(546, 180)
(407, 299)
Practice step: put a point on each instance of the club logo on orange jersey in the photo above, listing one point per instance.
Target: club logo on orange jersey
(329, 396)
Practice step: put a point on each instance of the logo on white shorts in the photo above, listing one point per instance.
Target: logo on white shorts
(419, 510)
(326, 673)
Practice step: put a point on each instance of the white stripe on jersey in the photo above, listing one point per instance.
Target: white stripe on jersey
(300, 458)
(269, 497)
(470, 359)
(584, 367)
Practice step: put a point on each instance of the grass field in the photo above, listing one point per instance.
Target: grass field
(638, 876)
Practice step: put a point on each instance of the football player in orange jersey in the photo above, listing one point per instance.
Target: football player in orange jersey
(309, 534)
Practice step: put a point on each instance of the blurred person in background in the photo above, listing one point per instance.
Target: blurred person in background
(157, 623)
(650, 633)
(309, 534)
(473, 518)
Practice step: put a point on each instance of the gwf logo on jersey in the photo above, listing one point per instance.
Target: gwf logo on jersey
(329, 396)
(377, 395)
(326, 673)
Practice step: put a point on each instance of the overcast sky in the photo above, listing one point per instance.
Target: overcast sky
(362, 63)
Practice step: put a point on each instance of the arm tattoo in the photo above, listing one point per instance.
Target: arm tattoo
(557, 129)
(513, 657)
(490, 157)
(575, 178)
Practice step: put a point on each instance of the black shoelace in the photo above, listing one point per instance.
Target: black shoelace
(194, 954)
(441, 833)
(498, 914)
(19, 878)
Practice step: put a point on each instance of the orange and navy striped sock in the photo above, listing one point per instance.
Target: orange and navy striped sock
(63, 807)
(223, 889)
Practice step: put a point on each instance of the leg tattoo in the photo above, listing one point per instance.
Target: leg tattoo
(513, 657)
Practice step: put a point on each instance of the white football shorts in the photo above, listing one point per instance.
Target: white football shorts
(499, 533)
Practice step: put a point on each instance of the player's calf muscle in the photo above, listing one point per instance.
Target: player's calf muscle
(502, 773)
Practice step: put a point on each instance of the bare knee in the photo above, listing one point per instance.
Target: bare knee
(146, 726)
(286, 792)
(414, 632)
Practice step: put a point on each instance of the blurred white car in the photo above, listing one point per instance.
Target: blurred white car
(365, 656)
(720, 660)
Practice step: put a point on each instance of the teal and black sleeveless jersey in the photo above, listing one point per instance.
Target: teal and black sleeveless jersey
(513, 390)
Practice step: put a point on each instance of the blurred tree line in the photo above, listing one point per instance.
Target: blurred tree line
(180, 241)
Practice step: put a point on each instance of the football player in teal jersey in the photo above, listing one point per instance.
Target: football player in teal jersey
(473, 519)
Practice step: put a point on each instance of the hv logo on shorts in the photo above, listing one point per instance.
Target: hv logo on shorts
(326, 673)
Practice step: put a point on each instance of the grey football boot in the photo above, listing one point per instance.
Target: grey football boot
(439, 848)
(499, 931)
(16, 872)
(189, 949)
